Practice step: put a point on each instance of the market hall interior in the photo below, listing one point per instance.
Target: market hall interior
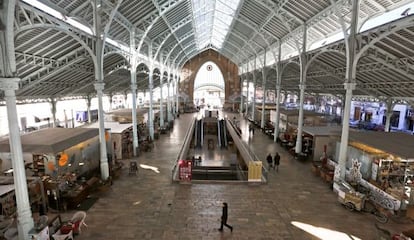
(337, 52)
(294, 204)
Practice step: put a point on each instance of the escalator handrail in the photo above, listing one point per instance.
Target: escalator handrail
(183, 152)
(218, 132)
(202, 133)
(225, 135)
(247, 154)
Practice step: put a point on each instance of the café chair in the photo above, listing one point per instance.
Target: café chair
(78, 220)
(62, 236)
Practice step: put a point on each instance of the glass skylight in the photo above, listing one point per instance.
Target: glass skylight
(212, 21)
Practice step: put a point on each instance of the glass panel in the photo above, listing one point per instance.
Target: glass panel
(212, 20)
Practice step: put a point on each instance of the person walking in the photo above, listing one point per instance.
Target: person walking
(224, 218)
(276, 163)
(270, 161)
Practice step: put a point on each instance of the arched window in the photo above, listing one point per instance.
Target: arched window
(209, 86)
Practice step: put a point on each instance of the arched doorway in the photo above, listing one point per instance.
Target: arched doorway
(209, 86)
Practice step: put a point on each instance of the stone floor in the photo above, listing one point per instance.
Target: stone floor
(150, 206)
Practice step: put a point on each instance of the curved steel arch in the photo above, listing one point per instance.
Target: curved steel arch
(256, 33)
(235, 18)
(116, 52)
(62, 29)
(283, 68)
(155, 20)
(274, 13)
(197, 52)
(66, 31)
(404, 23)
(321, 53)
(126, 65)
(192, 34)
(271, 70)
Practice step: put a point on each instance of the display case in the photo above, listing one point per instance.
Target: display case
(395, 176)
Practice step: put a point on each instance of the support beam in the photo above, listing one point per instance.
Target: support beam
(99, 87)
(350, 84)
(302, 87)
(390, 106)
(53, 110)
(24, 214)
(133, 71)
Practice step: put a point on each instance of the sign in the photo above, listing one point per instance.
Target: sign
(255, 171)
(185, 168)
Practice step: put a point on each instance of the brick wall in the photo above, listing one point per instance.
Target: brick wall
(227, 68)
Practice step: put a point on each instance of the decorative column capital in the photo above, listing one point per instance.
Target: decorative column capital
(9, 84)
(99, 86)
(350, 86)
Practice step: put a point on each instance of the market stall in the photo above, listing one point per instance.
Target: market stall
(386, 163)
(56, 151)
(320, 141)
(66, 157)
(121, 138)
(288, 121)
(125, 115)
(35, 189)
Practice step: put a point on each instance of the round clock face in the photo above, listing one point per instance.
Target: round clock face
(209, 67)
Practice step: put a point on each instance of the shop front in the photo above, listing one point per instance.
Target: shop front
(385, 162)
(65, 159)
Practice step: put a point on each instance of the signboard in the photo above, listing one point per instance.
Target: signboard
(255, 171)
(185, 168)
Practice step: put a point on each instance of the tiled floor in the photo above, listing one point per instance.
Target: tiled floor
(150, 206)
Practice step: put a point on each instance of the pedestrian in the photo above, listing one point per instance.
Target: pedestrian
(251, 128)
(269, 161)
(276, 163)
(224, 218)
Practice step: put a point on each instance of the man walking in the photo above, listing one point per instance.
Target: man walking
(224, 219)
(269, 161)
(276, 160)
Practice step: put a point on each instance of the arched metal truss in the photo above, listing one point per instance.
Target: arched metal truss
(55, 59)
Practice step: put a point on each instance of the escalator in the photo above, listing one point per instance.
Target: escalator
(221, 133)
(199, 133)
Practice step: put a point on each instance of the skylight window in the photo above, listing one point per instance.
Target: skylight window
(212, 21)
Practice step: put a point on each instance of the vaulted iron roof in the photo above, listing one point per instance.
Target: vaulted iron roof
(53, 60)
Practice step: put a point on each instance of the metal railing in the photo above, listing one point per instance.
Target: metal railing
(184, 150)
(245, 151)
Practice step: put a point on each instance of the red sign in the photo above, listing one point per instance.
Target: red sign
(185, 167)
